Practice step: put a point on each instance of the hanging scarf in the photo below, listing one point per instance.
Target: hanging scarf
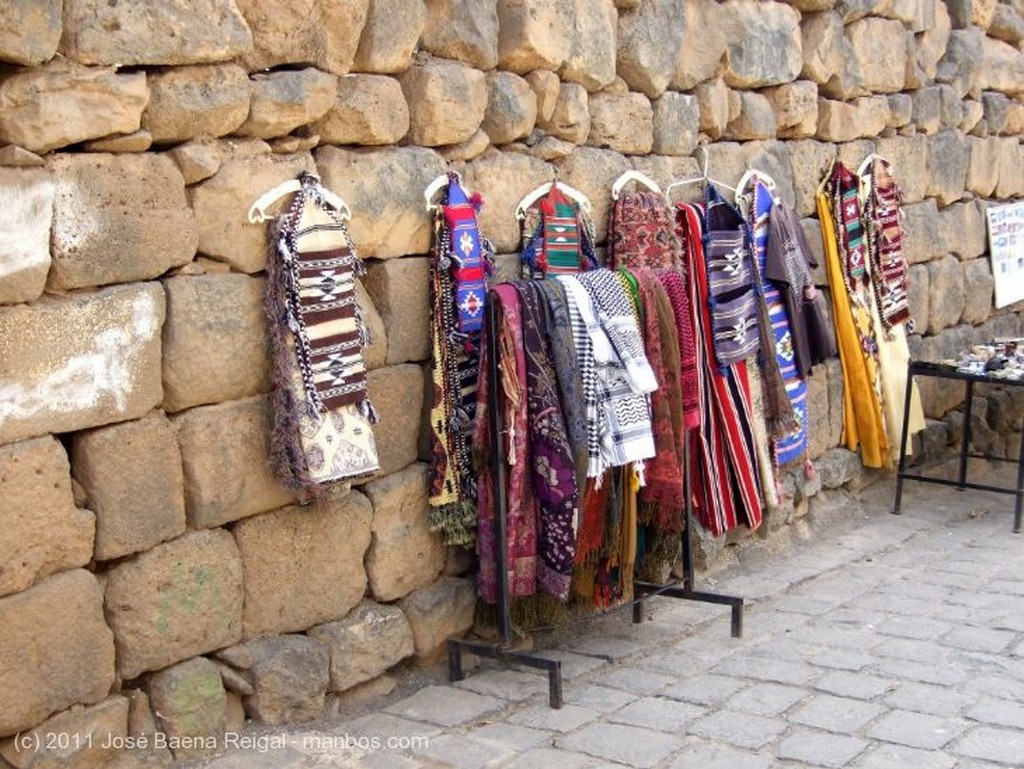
(552, 473)
(322, 412)
(459, 262)
(674, 282)
(852, 248)
(889, 274)
(585, 329)
(641, 232)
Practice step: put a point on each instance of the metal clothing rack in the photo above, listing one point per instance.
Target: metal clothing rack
(503, 648)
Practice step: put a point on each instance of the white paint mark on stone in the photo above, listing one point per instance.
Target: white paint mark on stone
(26, 209)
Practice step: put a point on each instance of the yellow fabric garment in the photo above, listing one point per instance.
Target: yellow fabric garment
(863, 424)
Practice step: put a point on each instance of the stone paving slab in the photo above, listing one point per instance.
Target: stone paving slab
(820, 748)
(629, 745)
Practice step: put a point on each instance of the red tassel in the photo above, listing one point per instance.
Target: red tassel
(477, 201)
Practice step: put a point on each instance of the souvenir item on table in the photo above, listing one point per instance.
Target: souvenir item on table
(322, 414)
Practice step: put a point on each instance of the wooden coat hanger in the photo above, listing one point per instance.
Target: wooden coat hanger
(633, 176)
(258, 210)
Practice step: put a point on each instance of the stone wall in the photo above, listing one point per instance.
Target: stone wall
(153, 574)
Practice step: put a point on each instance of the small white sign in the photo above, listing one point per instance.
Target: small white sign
(1006, 247)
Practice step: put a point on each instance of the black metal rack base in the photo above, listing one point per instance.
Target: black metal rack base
(503, 649)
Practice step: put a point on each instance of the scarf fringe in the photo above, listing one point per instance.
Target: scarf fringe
(455, 520)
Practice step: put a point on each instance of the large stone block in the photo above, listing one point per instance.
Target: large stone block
(438, 612)
(795, 106)
(918, 294)
(649, 40)
(978, 286)
(171, 32)
(880, 53)
(383, 225)
(49, 107)
(1011, 169)
(756, 118)
(201, 100)
(927, 109)
(817, 413)
(931, 43)
(836, 403)
(511, 108)
(622, 123)
(827, 55)
(215, 340)
(398, 288)
(309, 31)
(80, 737)
(909, 158)
(55, 650)
(964, 231)
(676, 122)
(404, 554)
(30, 31)
(25, 218)
(700, 53)
(1001, 67)
(289, 676)
(464, 30)
(368, 110)
(304, 565)
(769, 53)
(225, 453)
(591, 58)
(397, 394)
(809, 161)
(922, 226)
(958, 66)
(946, 287)
(545, 86)
(592, 171)
(837, 466)
(996, 108)
(192, 703)
(948, 155)
(570, 119)
(900, 110)
(221, 202)
(41, 530)
(370, 639)
(132, 478)
(837, 121)
(280, 102)
(534, 34)
(177, 600)
(80, 361)
(118, 218)
(446, 99)
(1007, 24)
(389, 36)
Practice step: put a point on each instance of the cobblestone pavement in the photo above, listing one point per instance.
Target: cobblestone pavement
(881, 641)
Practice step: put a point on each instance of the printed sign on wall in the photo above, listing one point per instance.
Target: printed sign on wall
(1006, 246)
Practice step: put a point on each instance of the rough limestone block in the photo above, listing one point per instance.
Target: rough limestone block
(649, 40)
(118, 218)
(978, 287)
(880, 53)
(545, 86)
(390, 35)
(828, 57)
(464, 30)
(964, 229)
(621, 123)
(367, 110)
(700, 54)
(370, 639)
(900, 110)
(304, 566)
(756, 119)
(946, 287)
(1011, 169)
(221, 202)
(132, 477)
(303, 31)
(793, 104)
(169, 32)
(215, 340)
(534, 34)
(80, 361)
(570, 119)
(404, 554)
(918, 294)
(225, 453)
(511, 108)
(391, 224)
(808, 160)
(837, 466)
(817, 413)
(55, 650)
(201, 100)
(30, 31)
(438, 612)
(973, 114)
(958, 66)
(289, 674)
(397, 394)
(951, 108)
(948, 155)
(49, 107)
(769, 53)
(398, 290)
(1007, 24)
(836, 406)
(177, 600)
(927, 109)
(137, 141)
(931, 43)
(280, 102)
(41, 530)
(591, 57)
(922, 226)
(1001, 67)
(88, 736)
(676, 122)
(25, 217)
(191, 701)
(592, 171)
(909, 158)
(375, 354)
(841, 121)
(447, 101)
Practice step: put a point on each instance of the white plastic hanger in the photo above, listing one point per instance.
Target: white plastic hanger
(536, 194)
(633, 176)
(435, 187)
(258, 210)
(752, 173)
(702, 179)
(867, 163)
